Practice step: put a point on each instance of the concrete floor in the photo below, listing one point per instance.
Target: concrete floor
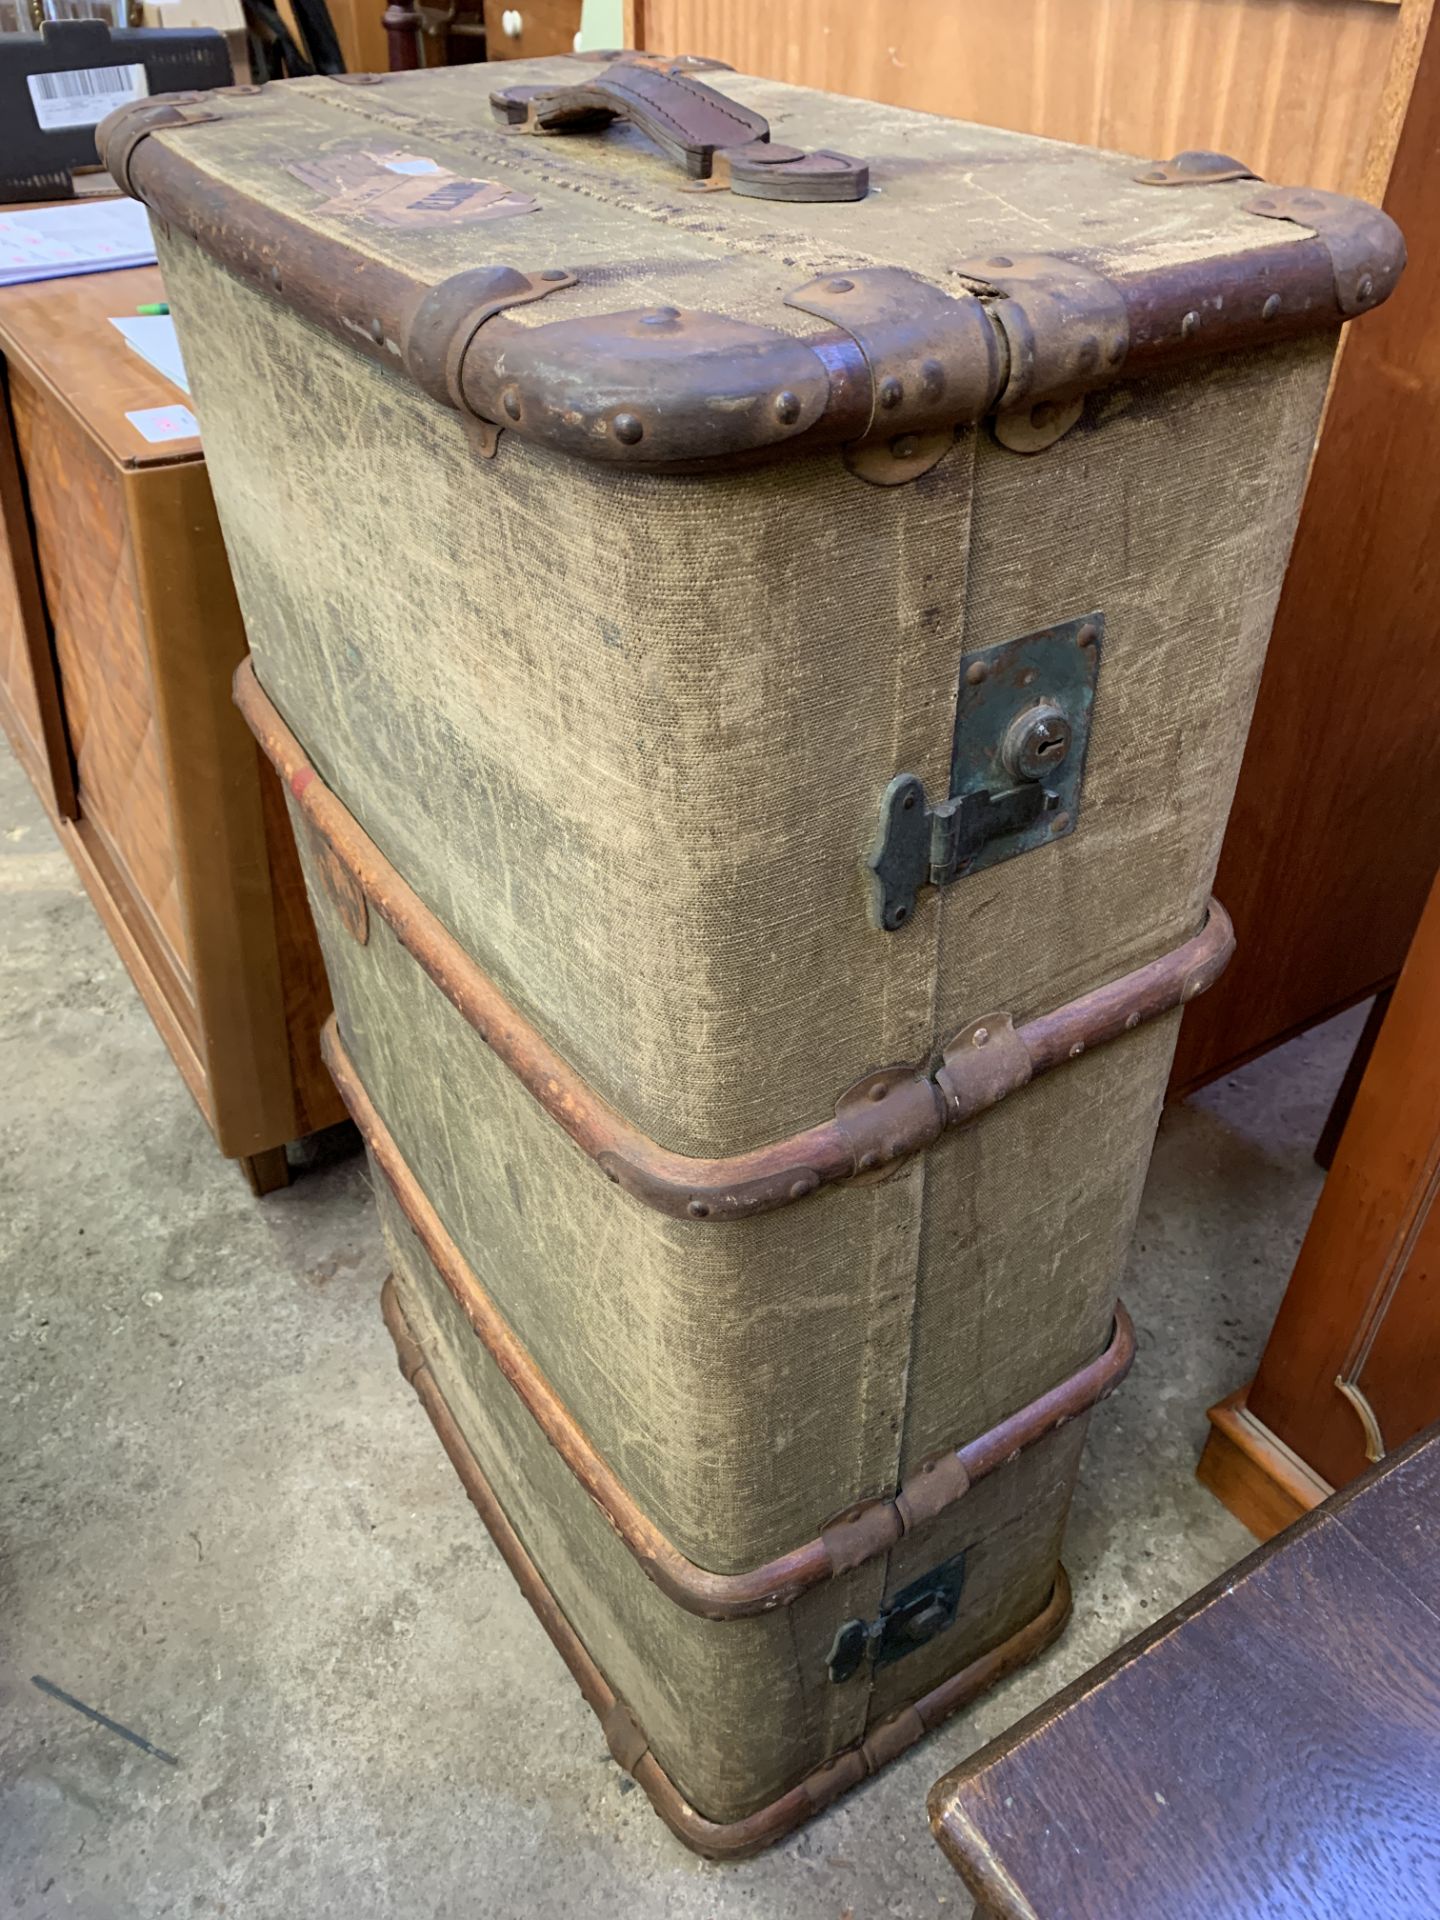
(228, 1525)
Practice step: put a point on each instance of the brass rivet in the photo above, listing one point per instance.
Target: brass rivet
(904, 447)
(1000, 260)
(552, 274)
(891, 392)
(932, 379)
(879, 1091)
(510, 401)
(1087, 353)
(275, 278)
(976, 672)
(1271, 307)
(377, 332)
(1366, 287)
(1077, 1049)
(1189, 324)
(1060, 823)
(1132, 1021)
(1262, 206)
(980, 1036)
(839, 286)
(787, 408)
(801, 1187)
(869, 1160)
(661, 317)
(698, 1209)
(1088, 634)
(627, 429)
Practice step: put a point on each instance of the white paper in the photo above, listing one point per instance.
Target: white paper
(164, 423)
(83, 236)
(83, 96)
(152, 335)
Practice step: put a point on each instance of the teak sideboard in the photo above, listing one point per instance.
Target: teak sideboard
(119, 633)
(1352, 1366)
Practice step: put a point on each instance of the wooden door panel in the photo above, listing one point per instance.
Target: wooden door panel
(1353, 1361)
(545, 27)
(100, 648)
(29, 691)
(1397, 1362)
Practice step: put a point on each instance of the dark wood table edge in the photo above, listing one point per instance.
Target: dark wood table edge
(997, 1894)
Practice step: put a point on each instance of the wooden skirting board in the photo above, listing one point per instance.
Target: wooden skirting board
(1256, 1476)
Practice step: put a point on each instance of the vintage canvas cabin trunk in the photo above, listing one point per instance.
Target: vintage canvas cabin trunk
(759, 633)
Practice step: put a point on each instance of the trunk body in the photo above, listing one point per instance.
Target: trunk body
(623, 727)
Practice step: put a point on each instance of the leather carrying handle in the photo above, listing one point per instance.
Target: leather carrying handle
(712, 138)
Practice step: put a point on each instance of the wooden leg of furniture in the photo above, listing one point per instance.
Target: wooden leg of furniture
(1345, 1099)
(266, 1172)
(1256, 1476)
(402, 37)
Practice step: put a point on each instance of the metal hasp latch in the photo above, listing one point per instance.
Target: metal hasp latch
(917, 1613)
(1022, 726)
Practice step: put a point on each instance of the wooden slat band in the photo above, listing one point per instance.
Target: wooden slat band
(866, 1531)
(882, 1120)
(717, 1840)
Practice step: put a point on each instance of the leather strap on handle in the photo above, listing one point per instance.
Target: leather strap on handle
(714, 139)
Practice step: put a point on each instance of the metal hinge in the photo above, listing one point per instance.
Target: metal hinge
(916, 1615)
(1194, 168)
(1022, 726)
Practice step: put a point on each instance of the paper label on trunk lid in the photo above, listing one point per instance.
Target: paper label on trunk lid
(405, 190)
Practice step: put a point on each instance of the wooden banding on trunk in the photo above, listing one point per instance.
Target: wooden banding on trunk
(540, 382)
(884, 1118)
(717, 1840)
(865, 1531)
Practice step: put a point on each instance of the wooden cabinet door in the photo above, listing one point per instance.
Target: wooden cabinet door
(30, 703)
(540, 27)
(1352, 1366)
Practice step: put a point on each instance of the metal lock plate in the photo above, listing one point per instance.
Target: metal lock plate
(1022, 728)
(917, 1613)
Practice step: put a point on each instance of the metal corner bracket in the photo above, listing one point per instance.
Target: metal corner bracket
(1366, 249)
(933, 359)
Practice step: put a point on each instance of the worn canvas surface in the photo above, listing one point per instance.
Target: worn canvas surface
(627, 735)
(737, 1711)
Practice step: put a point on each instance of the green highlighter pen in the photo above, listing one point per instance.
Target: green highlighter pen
(152, 307)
